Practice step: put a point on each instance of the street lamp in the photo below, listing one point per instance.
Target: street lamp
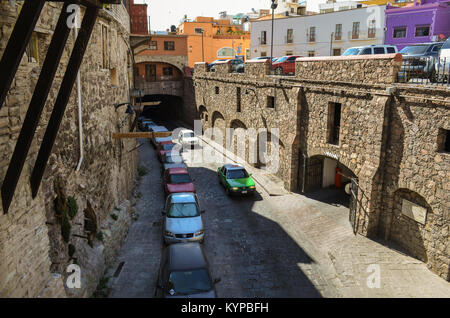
(273, 6)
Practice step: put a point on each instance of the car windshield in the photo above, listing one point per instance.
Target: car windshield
(168, 146)
(351, 51)
(189, 282)
(173, 159)
(282, 59)
(180, 178)
(189, 135)
(446, 44)
(237, 174)
(414, 49)
(183, 210)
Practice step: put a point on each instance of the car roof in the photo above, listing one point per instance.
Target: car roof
(160, 128)
(233, 167)
(186, 130)
(178, 171)
(185, 256)
(184, 197)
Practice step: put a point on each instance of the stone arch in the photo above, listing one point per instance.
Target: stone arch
(238, 141)
(204, 116)
(218, 120)
(236, 123)
(175, 61)
(414, 232)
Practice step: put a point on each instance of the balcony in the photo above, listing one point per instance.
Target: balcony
(288, 40)
(169, 87)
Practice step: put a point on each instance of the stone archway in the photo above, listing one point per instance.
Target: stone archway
(413, 223)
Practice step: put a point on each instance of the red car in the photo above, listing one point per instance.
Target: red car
(177, 180)
(163, 148)
(285, 65)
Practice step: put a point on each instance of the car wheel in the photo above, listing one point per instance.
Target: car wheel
(433, 78)
(227, 191)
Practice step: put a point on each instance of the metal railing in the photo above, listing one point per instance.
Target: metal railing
(424, 70)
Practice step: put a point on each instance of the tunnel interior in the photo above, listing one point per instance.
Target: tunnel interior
(169, 108)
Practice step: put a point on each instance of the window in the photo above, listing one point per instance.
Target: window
(169, 45)
(32, 49)
(422, 30)
(105, 60)
(263, 37)
(168, 71)
(217, 89)
(238, 97)
(114, 77)
(270, 102)
(153, 45)
(290, 36)
(444, 140)
(263, 53)
(150, 72)
(334, 122)
(198, 30)
(378, 50)
(336, 52)
(312, 34)
(311, 53)
(390, 49)
(366, 51)
(289, 53)
(399, 32)
(372, 29)
(355, 30)
(338, 32)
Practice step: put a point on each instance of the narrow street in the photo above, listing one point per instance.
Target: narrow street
(266, 246)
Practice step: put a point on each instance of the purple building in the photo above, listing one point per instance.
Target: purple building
(417, 23)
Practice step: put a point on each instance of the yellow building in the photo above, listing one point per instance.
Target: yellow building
(209, 39)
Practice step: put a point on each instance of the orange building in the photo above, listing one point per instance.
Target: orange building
(209, 39)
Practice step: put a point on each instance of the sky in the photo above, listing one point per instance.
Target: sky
(164, 13)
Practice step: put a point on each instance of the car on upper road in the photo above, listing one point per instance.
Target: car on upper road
(210, 65)
(177, 180)
(163, 148)
(182, 220)
(419, 61)
(144, 124)
(370, 49)
(237, 65)
(263, 58)
(186, 137)
(285, 65)
(170, 160)
(442, 66)
(236, 180)
(184, 273)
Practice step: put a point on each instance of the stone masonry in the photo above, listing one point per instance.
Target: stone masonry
(388, 138)
(35, 249)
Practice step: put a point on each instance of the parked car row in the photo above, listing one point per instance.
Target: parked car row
(184, 270)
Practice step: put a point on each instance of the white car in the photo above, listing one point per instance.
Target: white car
(442, 65)
(370, 49)
(182, 219)
(187, 137)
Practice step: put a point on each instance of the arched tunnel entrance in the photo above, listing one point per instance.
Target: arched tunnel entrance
(164, 107)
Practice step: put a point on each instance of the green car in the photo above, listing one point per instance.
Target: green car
(236, 180)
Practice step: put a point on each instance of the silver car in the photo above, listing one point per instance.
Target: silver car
(172, 160)
(182, 219)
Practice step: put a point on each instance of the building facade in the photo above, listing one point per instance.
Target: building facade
(139, 17)
(89, 174)
(209, 39)
(319, 35)
(387, 141)
(422, 22)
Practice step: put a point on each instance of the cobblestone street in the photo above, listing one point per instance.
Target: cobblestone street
(267, 246)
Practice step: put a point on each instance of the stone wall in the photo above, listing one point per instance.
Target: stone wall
(33, 254)
(387, 138)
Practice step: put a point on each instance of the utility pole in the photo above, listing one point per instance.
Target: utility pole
(273, 6)
(331, 44)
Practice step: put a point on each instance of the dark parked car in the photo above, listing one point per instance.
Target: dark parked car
(237, 65)
(184, 273)
(285, 65)
(210, 65)
(419, 61)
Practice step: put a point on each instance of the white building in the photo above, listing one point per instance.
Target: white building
(333, 5)
(291, 7)
(319, 35)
